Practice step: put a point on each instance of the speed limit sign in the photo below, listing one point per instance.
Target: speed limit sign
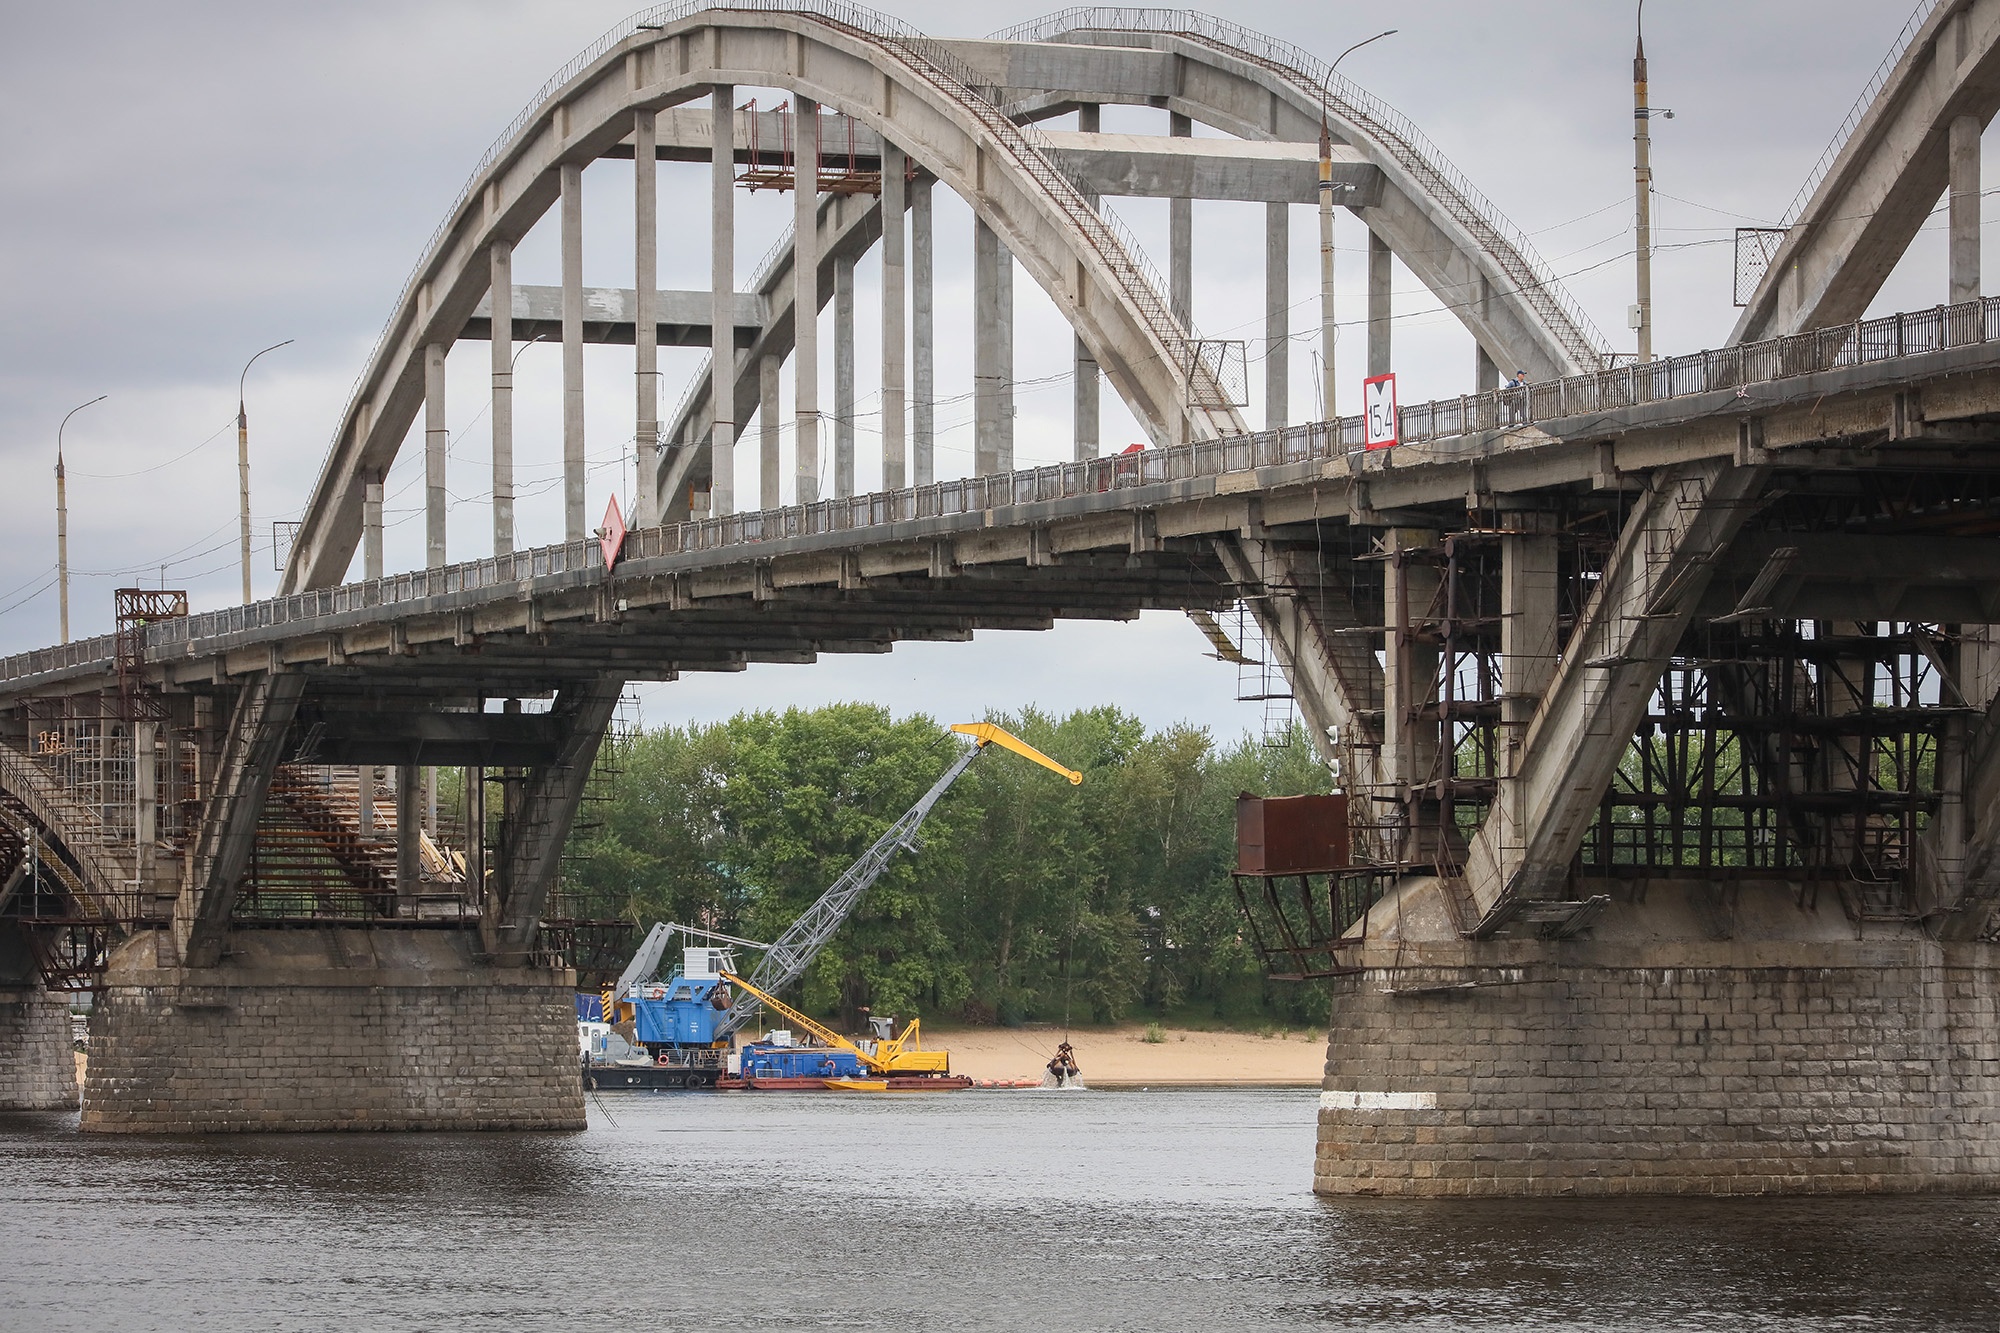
(1378, 401)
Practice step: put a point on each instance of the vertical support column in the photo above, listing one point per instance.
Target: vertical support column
(992, 353)
(371, 527)
(1485, 373)
(501, 299)
(722, 301)
(767, 428)
(1086, 379)
(1527, 626)
(409, 860)
(475, 835)
(436, 441)
(145, 798)
(1180, 238)
(894, 172)
(923, 378)
(1410, 665)
(805, 301)
(843, 376)
(1328, 327)
(572, 348)
(364, 800)
(646, 319)
(1277, 313)
(1379, 297)
(1964, 211)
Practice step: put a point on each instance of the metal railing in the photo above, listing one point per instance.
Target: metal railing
(1409, 147)
(1730, 368)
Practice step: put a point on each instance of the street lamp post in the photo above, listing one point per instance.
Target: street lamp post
(62, 519)
(1642, 189)
(1326, 314)
(243, 463)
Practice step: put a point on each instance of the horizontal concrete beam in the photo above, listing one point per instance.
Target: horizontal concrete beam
(516, 740)
(1156, 167)
(1143, 166)
(1083, 73)
(608, 316)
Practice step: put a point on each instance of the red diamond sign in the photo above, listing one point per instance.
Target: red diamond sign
(611, 537)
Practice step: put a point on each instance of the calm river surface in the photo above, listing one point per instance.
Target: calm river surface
(1075, 1210)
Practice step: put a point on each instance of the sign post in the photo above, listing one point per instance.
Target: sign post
(1378, 403)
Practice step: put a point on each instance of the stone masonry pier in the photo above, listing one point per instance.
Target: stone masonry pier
(331, 1029)
(1800, 1054)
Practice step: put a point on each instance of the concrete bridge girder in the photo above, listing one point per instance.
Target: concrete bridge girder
(961, 142)
(1885, 181)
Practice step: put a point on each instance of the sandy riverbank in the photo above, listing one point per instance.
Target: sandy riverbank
(1121, 1057)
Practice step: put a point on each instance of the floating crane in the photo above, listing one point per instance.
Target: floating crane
(690, 1030)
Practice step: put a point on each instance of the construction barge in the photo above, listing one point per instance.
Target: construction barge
(681, 1032)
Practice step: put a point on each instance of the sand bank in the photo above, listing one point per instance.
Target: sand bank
(1121, 1057)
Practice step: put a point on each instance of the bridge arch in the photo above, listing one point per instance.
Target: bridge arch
(65, 839)
(905, 87)
(1878, 182)
(1256, 88)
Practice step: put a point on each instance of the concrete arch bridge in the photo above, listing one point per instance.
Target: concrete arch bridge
(1663, 693)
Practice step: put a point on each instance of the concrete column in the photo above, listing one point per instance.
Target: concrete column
(894, 473)
(436, 441)
(1378, 305)
(1180, 238)
(371, 527)
(145, 797)
(1964, 161)
(1409, 745)
(574, 528)
(1528, 626)
(364, 799)
(475, 835)
(805, 301)
(843, 376)
(646, 320)
(722, 301)
(923, 381)
(1485, 373)
(767, 427)
(1277, 314)
(502, 301)
(431, 801)
(409, 825)
(1086, 378)
(992, 353)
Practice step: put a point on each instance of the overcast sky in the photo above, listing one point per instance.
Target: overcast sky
(188, 183)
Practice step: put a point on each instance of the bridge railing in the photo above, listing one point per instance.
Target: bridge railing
(1730, 368)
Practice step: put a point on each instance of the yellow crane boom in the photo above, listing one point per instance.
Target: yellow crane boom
(988, 734)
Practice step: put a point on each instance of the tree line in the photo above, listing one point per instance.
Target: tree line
(1029, 900)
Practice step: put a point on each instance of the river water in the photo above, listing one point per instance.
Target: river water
(1029, 1210)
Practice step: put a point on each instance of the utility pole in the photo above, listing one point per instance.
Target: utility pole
(62, 519)
(1642, 189)
(1327, 324)
(243, 463)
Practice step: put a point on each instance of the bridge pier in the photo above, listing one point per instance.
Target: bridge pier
(37, 1066)
(1707, 1039)
(330, 1029)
